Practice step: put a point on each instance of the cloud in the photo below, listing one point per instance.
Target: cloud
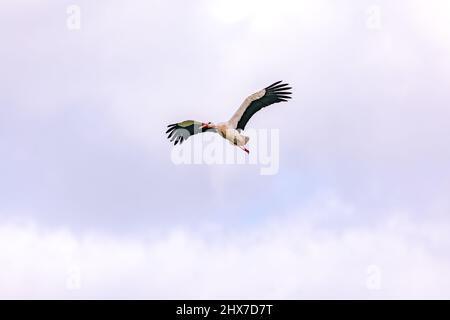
(84, 156)
(286, 258)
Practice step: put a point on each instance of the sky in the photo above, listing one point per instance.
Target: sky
(92, 205)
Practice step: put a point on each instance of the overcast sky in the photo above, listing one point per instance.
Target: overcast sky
(92, 206)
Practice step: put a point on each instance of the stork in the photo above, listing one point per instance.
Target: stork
(231, 129)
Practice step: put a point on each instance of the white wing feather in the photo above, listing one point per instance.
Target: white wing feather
(233, 122)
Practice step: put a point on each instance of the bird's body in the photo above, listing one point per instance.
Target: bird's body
(231, 129)
(231, 134)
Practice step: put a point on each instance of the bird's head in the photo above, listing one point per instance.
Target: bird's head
(207, 125)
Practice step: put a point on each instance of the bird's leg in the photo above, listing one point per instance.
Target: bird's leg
(245, 149)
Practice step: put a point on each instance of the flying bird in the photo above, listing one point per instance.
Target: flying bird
(231, 129)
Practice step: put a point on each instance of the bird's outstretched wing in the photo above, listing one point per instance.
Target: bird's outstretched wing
(277, 92)
(178, 132)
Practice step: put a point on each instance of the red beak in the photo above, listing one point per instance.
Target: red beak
(204, 126)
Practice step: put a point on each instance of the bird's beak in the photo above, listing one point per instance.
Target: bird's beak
(204, 126)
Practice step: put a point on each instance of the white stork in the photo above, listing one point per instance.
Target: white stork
(231, 129)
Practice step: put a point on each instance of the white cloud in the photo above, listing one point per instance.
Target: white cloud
(284, 258)
(263, 15)
(433, 17)
(372, 120)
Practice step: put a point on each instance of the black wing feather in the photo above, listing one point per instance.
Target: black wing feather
(277, 92)
(179, 132)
